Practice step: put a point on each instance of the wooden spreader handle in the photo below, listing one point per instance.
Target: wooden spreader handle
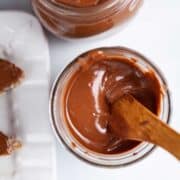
(137, 122)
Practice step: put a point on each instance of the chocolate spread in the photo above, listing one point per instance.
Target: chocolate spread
(79, 3)
(8, 145)
(92, 17)
(10, 75)
(92, 89)
(3, 144)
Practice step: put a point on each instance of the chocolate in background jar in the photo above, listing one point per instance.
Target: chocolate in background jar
(81, 3)
(67, 21)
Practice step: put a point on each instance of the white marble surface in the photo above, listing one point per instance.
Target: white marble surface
(24, 110)
(155, 33)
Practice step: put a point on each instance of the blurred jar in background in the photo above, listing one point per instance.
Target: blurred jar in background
(79, 19)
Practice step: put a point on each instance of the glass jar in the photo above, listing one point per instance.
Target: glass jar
(60, 126)
(75, 22)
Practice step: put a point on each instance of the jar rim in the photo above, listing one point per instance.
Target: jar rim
(144, 148)
(110, 7)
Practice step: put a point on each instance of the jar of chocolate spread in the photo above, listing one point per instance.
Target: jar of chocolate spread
(79, 19)
(82, 97)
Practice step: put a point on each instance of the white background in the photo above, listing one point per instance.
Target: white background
(155, 32)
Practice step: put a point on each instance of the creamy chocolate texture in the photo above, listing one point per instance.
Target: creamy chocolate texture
(10, 75)
(8, 145)
(3, 144)
(84, 18)
(99, 82)
(79, 3)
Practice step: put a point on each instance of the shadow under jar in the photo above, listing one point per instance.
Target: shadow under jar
(80, 111)
(68, 20)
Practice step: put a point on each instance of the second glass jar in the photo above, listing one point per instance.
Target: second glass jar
(79, 22)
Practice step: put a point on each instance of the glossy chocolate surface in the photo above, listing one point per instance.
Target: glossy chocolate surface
(99, 81)
(80, 3)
